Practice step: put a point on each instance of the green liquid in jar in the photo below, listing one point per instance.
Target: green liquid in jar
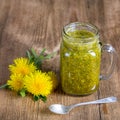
(80, 62)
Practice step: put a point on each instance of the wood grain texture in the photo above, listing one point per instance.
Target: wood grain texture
(38, 24)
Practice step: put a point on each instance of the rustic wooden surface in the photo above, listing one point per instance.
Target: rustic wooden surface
(38, 24)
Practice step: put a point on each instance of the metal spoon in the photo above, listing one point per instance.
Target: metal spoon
(61, 109)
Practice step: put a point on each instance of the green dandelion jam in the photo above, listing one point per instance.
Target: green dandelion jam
(80, 62)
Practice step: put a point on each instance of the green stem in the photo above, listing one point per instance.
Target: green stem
(3, 86)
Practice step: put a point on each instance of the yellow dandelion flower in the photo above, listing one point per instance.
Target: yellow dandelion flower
(15, 82)
(53, 79)
(38, 83)
(22, 66)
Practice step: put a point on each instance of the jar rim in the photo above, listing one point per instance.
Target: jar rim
(81, 24)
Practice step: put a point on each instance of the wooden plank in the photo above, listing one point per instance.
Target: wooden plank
(38, 24)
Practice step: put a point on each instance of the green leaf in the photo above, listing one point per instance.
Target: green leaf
(28, 54)
(22, 92)
(43, 98)
(38, 59)
(49, 56)
(36, 98)
(4, 86)
(42, 52)
(33, 53)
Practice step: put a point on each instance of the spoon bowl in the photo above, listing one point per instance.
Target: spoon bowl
(59, 109)
(62, 109)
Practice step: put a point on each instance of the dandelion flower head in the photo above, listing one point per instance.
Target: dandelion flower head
(53, 79)
(15, 82)
(22, 66)
(38, 83)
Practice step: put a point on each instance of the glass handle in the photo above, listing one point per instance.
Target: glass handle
(110, 50)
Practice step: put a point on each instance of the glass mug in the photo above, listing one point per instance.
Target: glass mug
(80, 59)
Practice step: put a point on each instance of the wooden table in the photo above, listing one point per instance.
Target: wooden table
(38, 24)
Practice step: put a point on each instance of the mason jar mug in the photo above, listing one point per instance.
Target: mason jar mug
(80, 59)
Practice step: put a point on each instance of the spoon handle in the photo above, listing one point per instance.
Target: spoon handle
(104, 100)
